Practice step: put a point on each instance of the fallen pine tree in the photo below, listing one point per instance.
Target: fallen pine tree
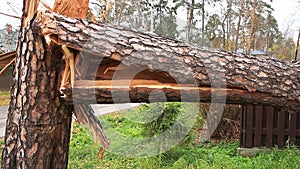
(91, 62)
(241, 79)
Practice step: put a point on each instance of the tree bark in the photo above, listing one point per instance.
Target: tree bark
(236, 45)
(190, 18)
(38, 124)
(203, 21)
(252, 28)
(266, 80)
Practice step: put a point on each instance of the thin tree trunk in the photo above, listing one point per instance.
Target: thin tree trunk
(224, 30)
(203, 21)
(190, 18)
(237, 34)
(228, 35)
(297, 47)
(252, 29)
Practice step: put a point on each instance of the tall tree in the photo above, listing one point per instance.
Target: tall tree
(263, 8)
(190, 18)
(241, 8)
(38, 125)
(284, 48)
(192, 8)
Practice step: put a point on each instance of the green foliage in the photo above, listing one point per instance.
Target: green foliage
(212, 27)
(168, 115)
(123, 125)
(83, 150)
(1, 146)
(167, 27)
(284, 49)
(160, 117)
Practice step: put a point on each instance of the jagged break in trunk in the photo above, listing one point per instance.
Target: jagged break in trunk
(38, 124)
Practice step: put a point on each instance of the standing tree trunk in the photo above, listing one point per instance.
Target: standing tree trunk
(38, 124)
(236, 45)
(190, 18)
(224, 30)
(297, 47)
(240, 17)
(203, 22)
(252, 29)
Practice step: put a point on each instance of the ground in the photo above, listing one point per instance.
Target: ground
(4, 98)
(191, 155)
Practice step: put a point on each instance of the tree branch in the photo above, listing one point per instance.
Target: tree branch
(1, 13)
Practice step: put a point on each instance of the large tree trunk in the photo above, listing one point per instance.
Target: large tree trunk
(241, 79)
(38, 124)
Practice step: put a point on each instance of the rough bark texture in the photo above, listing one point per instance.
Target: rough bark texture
(261, 80)
(90, 92)
(38, 124)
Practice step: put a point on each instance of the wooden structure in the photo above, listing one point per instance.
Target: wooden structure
(268, 126)
(6, 60)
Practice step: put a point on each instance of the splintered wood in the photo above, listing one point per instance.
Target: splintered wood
(73, 8)
(68, 76)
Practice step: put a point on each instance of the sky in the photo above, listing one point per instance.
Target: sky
(287, 13)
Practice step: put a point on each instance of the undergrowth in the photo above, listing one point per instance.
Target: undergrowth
(185, 155)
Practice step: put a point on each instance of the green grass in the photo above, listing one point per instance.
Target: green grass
(187, 155)
(4, 98)
(83, 152)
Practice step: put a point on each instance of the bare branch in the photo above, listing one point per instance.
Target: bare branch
(1, 13)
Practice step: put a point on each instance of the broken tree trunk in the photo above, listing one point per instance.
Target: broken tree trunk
(239, 78)
(38, 125)
(83, 112)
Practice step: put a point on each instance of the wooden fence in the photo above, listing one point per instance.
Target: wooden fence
(6, 80)
(265, 126)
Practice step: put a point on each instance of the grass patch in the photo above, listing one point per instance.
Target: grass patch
(83, 152)
(1, 146)
(187, 155)
(4, 98)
